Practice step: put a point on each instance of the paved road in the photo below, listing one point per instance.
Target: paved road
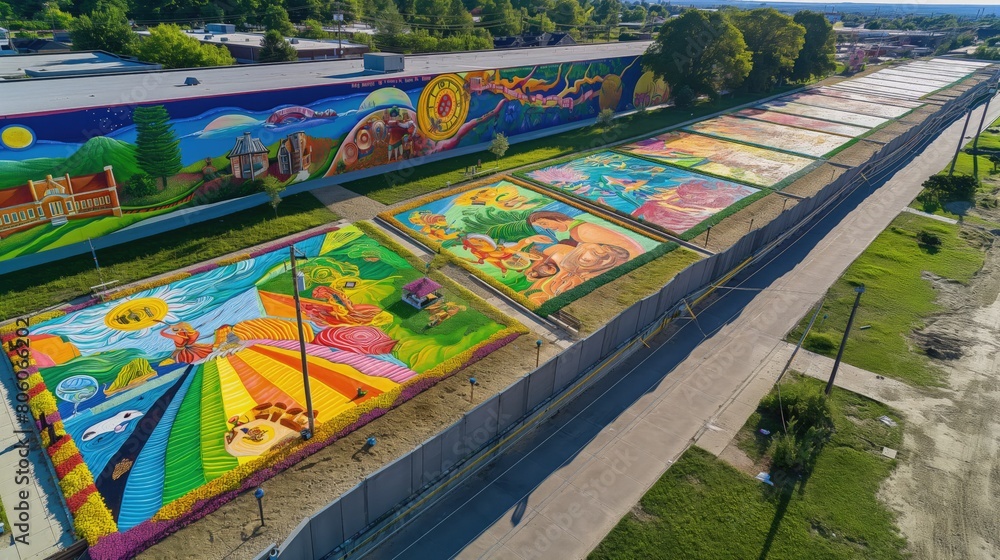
(559, 491)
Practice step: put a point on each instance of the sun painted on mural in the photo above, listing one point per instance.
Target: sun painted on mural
(526, 241)
(62, 188)
(671, 198)
(176, 386)
(749, 164)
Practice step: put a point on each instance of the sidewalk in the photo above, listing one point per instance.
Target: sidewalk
(559, 492)
(27, 489)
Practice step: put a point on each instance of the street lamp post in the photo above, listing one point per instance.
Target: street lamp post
(843, 343)
(538, 352)
(259, 494)
(975, 142)
(298, 283)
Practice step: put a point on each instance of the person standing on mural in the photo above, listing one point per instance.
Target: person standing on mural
(186, 347)
(400, 132)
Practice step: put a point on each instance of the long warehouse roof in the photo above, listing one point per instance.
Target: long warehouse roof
(40, 96)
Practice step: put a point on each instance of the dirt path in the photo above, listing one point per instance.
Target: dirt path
(947, 486)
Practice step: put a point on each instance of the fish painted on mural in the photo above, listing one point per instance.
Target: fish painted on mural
(116, 424)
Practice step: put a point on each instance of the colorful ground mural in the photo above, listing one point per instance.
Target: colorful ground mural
(59, 186)
(854, 102)
(536, 248)
(178, 386)
(671, 198)
(795, 140)
(810, 111)
(740, 162)
(797, 121)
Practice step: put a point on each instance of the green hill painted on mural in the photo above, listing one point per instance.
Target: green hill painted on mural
(89, 159)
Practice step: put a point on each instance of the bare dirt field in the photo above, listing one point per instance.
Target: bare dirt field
(947, 488)
(730, 230)
(812, 182)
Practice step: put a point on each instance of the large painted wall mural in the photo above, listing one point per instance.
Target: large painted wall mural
(81, 174)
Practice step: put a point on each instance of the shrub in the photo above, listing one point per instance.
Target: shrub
(928, 239)
(802, 406)
(140, 185)
(606, 117)
(820, 343)
(684, 97)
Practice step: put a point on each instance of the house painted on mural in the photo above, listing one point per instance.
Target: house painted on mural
(57, 200)
(294, 154)
(249, 157)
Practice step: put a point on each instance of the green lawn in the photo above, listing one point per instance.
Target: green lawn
(704, 509)
(393, 187)
(40, 287)
(897, 300)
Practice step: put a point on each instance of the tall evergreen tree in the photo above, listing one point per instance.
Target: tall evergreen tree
(157, 149)
(274, 48)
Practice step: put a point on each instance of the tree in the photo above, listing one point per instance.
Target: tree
(948, 188)
(301, 10)
(157, 149)
(55, 17)
(275, 18)
(774, 39)
(499, 145)
(816, 57)
(6, 12)
(568, 13)
(105, 29)
(171, 47)
(388, 20)
(459, 19)
(274, 48)
(273, 187)
(500, 17)
(701, 51)
(313, 29)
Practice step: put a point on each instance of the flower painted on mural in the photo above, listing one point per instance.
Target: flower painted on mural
(710, 195)
(559, 175)
(364, 340)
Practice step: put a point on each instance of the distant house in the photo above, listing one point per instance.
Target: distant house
(249, 157)
(294, 154)
(43, 46)
(58, 200)
(543, 40)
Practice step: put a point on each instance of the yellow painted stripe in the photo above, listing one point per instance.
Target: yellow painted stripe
(235, 398)
(328, 402)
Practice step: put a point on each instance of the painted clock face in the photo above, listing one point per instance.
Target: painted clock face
(443, 107)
